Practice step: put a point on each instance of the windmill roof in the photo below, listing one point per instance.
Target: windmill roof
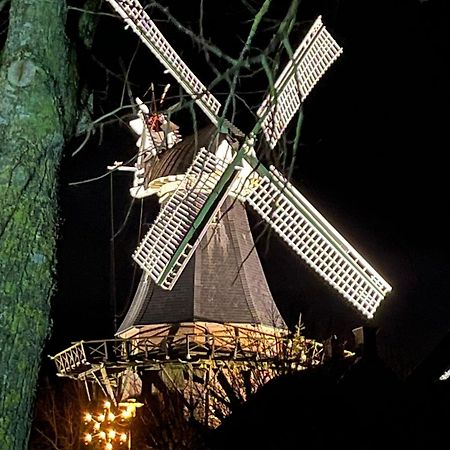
(176, 160)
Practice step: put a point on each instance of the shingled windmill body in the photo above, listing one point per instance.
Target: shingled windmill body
(218, 328)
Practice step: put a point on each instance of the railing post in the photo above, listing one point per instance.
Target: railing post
(188, 342)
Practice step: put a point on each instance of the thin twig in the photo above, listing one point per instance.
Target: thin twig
(85, 11)
(199, 40)
(90, 128)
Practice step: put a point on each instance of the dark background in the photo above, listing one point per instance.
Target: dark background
(372, 160)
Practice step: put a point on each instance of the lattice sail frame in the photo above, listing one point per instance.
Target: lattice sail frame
(315, 240)
(172, 239)
(310, 61)
(135, 16)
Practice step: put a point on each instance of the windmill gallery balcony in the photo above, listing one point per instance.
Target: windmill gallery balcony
(191, 343)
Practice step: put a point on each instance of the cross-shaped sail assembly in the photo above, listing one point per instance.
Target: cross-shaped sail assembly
(178, 229)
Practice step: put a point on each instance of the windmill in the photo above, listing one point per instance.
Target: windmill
(234, 170)
(191, 315)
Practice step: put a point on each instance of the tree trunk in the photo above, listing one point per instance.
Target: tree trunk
(37, 111)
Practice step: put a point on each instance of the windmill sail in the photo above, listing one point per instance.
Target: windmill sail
(173, 237)
(309, 234)
(135, 16)
(313, 57)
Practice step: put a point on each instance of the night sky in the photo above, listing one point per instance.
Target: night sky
(371, 160)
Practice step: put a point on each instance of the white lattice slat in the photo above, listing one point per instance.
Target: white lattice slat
(307, 232)
(156, 251)
(135, 16)
(313, 57)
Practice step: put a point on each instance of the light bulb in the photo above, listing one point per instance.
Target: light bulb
(101, 417)
(107, 404)
(123, 437)
(108, 446)
(88, 437)
(87, 417)
(102, 435)
(97, 426)
(112, 434)
(126, 414)
(111, 416)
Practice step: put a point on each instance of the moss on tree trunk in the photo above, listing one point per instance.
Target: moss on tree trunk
(37, 111)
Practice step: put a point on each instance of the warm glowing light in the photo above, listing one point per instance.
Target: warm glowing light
(100, 431)
(126, 414)
(131, 406)
(112, 434)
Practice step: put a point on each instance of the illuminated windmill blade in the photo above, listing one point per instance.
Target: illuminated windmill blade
(183, 220)
(308, 233)
(313, 57)
(135, 16)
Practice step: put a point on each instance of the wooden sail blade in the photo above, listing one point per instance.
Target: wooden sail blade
(172, 239)
(315, 240)
(311, 60)
(136, 17)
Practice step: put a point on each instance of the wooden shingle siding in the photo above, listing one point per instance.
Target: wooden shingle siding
(223, 283)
